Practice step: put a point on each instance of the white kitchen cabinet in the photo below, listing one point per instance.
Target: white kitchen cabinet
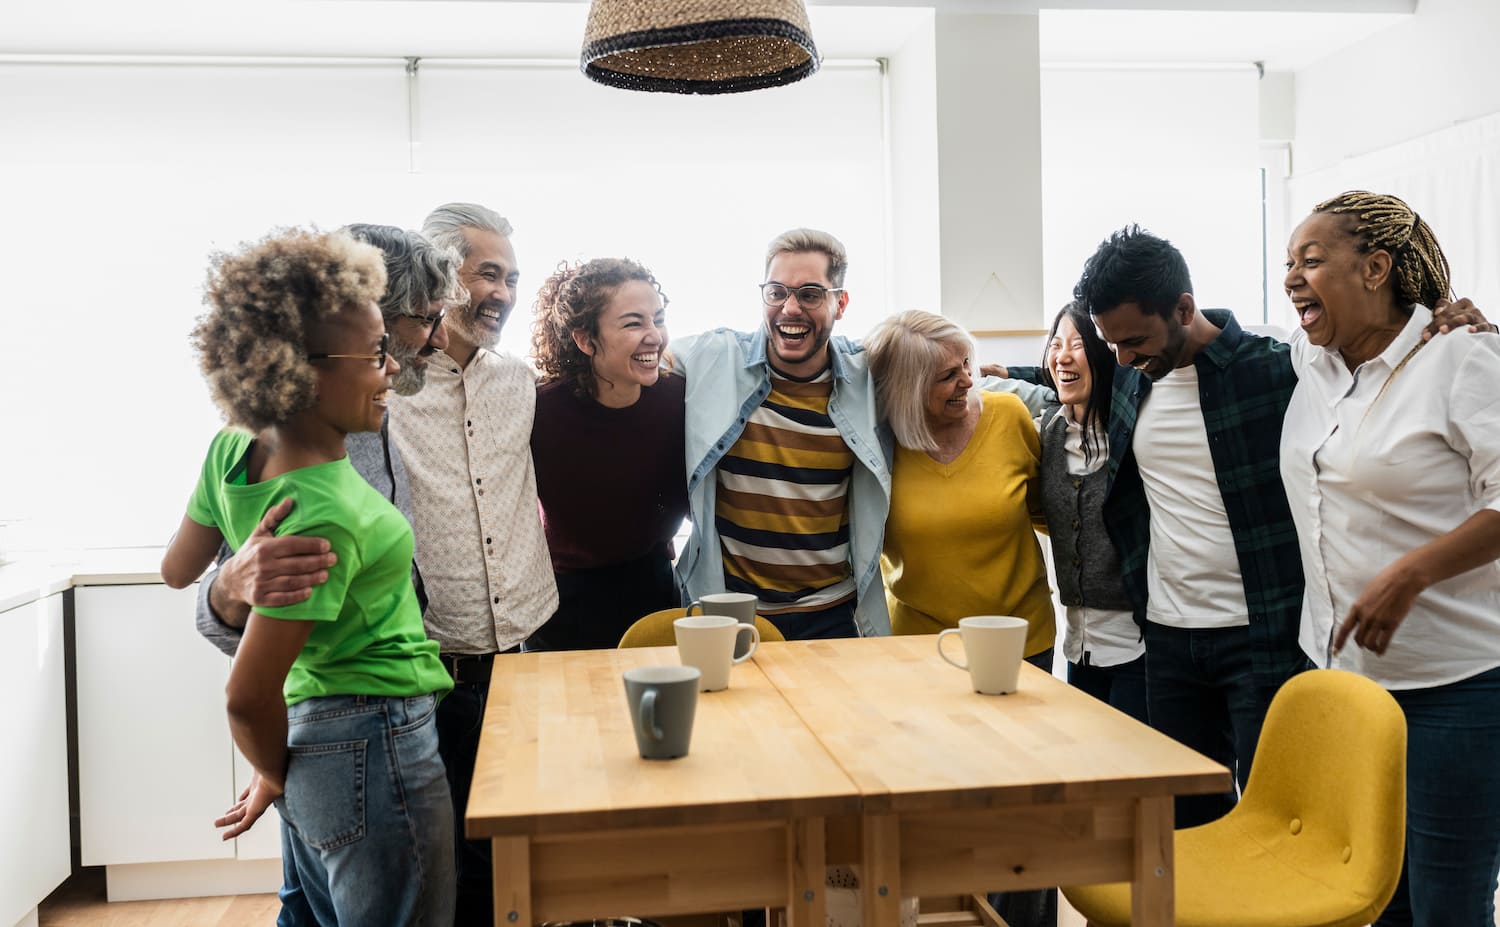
(35, 856)
(156, 763)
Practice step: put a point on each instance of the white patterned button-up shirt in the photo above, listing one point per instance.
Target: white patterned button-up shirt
(466, 442)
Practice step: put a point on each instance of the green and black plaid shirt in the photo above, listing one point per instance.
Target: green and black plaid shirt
(1244, 384)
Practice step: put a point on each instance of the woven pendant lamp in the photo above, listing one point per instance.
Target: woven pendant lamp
(698, 46)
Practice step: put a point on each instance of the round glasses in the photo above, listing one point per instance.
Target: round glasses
(378, 357)
(810, 296)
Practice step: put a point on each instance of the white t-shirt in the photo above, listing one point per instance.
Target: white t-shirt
(1192, 573)
(1372, 477)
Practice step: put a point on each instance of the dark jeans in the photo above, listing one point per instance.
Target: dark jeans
(1201, 692)
(596, 607)
(1452, 805)
(832, 622)
(1122, 686)
(460, 716)
(1036, 907)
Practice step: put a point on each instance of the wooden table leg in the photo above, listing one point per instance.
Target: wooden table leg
(1152, 898)
(807, 858)
(512, 868)
(880, 870)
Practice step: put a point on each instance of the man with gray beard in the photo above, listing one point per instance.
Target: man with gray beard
(421, 282)
(467, 442)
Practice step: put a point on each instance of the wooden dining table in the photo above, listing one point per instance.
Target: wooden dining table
(868, 751)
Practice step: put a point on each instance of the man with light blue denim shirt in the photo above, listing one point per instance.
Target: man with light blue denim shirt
(788, 472)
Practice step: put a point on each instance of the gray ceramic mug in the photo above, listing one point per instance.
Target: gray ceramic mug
(738, 605)
(662, 701)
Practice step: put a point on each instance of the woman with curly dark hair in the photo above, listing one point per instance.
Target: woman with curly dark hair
(332, 699)
(608, 447)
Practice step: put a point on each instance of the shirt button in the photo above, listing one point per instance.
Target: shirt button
(488, 541)
(497, 600)
(478, 480)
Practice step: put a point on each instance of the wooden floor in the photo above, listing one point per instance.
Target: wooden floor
(79, 902)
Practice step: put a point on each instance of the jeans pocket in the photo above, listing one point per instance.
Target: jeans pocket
(325, 793)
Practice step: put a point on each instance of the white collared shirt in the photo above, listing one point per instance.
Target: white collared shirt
(1372, 477)
(466, 442)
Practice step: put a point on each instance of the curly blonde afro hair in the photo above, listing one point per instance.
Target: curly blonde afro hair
(262, 300)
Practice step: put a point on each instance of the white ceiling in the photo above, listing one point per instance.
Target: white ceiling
(1195, 33)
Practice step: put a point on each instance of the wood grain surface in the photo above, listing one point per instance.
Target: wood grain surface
(557, 753)
(913, 735)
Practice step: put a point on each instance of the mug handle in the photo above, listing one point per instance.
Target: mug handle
(754, 640)
(648, 715)
(942, 634)
(689, 613)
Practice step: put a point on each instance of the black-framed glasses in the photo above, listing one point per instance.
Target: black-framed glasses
(431, 320)
(810, 296)
(378, 357)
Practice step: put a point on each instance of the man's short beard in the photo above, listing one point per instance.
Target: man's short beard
(463, 321)
(413, 376)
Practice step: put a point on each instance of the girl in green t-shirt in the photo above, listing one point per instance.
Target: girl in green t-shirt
(332, 700)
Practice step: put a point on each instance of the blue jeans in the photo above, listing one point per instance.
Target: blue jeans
(1452, 805)
(1201, 691)
(366, 817)
(1122, 687)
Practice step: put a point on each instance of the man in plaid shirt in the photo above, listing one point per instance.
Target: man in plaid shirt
(1195, 505)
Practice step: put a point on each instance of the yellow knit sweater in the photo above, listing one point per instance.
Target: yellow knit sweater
(960, 541)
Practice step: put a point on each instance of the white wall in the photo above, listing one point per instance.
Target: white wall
(1175, 150)
(1425, 73)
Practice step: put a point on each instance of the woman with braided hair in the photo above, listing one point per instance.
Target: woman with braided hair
(608, 447)
(1391, 458)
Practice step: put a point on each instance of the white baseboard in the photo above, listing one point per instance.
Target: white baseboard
(145, 881)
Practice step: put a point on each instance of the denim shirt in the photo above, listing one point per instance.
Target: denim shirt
(727, 379)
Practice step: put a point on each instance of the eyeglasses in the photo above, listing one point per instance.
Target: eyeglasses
(430, 320)
(810, 296)
(378, 357)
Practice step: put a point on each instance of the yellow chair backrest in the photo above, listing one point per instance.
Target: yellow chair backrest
(655, 630)
(1329, 783)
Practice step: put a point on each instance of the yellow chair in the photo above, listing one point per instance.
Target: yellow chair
(655, 630)
(1318, 837)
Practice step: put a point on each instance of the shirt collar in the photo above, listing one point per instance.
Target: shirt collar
(1407, 338)
(1220, 351)
(756, 355)
(1409, 335)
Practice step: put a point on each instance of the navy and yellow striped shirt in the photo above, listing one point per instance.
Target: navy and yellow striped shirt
(782, 508)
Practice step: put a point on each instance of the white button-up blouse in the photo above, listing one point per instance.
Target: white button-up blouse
(1379, 462)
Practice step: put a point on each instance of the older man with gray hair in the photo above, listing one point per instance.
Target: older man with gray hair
(466, 438)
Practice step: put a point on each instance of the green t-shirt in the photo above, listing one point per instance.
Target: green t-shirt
(368, 637)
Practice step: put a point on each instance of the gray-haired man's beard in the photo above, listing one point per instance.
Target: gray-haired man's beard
(413, 375)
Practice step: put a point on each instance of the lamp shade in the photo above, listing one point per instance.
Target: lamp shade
(698, 46)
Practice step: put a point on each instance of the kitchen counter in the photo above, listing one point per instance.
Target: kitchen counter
(34, 576)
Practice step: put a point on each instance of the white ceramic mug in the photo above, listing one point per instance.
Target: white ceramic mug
(994, 646)
(709, 643)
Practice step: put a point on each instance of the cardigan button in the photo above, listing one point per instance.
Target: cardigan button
(1296, 826)
(1348, 853)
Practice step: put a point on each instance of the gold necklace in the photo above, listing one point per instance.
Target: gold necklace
(1386, 385)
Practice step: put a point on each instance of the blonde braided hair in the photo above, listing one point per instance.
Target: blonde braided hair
(1381, 221)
